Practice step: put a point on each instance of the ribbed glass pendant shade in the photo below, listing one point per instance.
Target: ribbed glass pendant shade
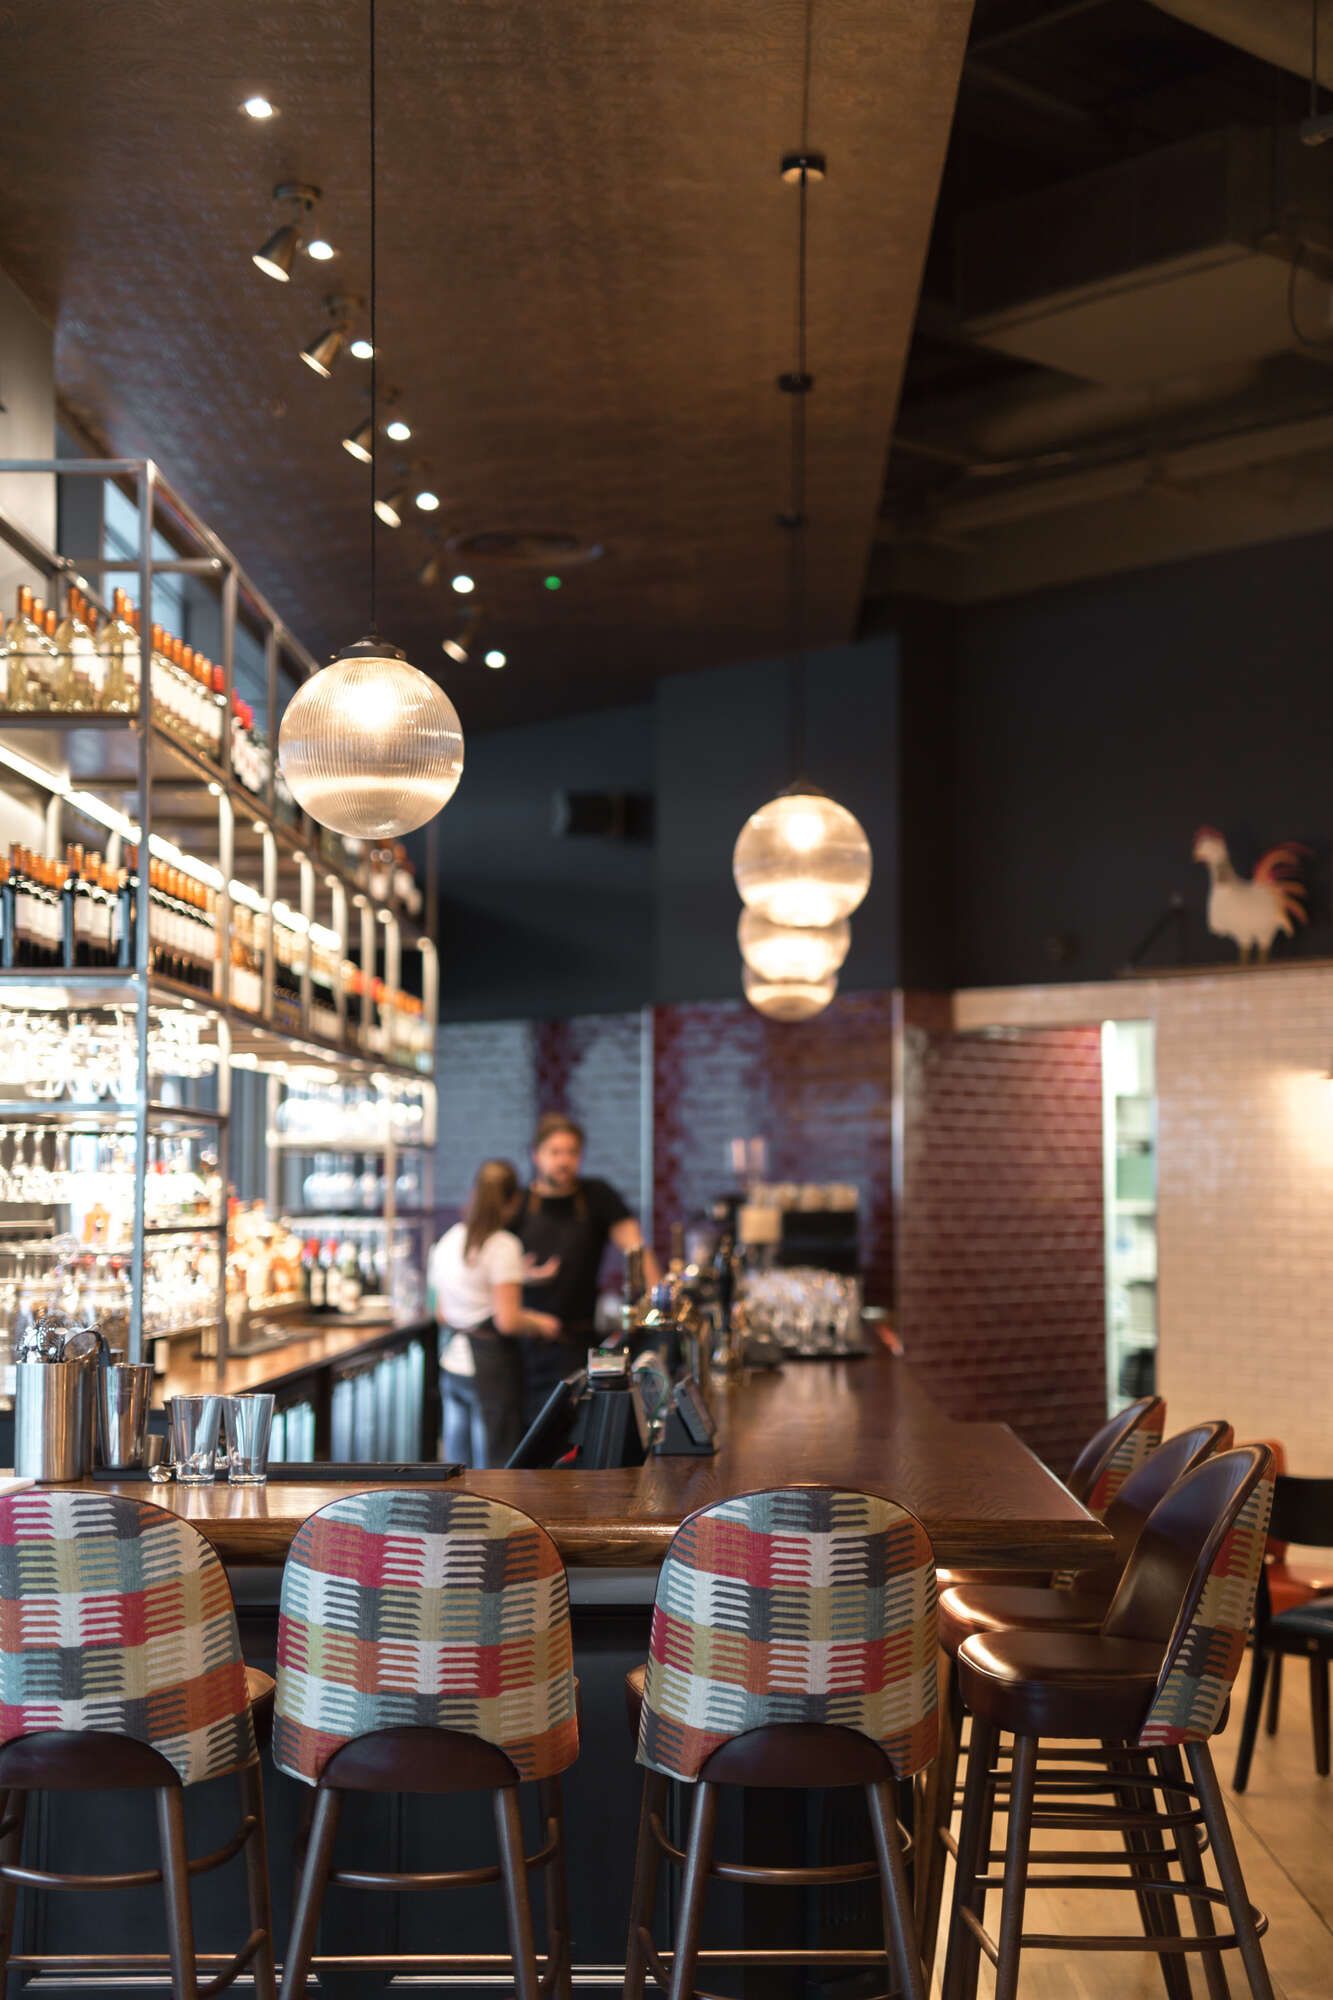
(802, 860)
(370, 746)
(782, 952)
(788, 999)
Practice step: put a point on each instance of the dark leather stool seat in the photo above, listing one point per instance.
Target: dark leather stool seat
(998, 1607)
(1059, 1683)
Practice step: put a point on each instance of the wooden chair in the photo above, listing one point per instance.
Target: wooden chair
(1302, 1628)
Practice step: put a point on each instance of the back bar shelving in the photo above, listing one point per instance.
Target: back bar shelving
(137, 781)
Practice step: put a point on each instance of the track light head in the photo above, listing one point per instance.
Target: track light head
(276, 257)
(459, 647)
(360, 442)
(323, 352)
(389, 508)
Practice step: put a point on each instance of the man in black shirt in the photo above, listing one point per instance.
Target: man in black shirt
(565, 1225)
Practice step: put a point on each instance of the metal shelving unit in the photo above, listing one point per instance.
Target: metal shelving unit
(133, 778)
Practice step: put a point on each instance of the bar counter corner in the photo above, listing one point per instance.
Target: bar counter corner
(981, 1495)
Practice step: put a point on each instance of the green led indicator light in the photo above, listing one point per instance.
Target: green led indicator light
(551, 582)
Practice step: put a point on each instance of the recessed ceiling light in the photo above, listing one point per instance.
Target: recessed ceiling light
(463, 585)
(390, 509)
(428, 501)
(495, 658)
(398, 430)
(259, 107)
(360, 350)
(320, 249)
(359, 441)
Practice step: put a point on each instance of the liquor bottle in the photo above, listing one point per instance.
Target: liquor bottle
(47, 904)
(312, 1273)
(328, 1258)
(109, 884)
(127, 910)
(118, 651)
(76, 656)
(349, 1267)
(6, 911)
(26, 657)
(73, 913)
(15, 911)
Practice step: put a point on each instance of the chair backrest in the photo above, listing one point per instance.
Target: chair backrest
(1173, 1458)
(801, 1604)
(1190, 1586)
(1117, 1449)
(116, 1616)
(1302, 1511)
(409, 1608)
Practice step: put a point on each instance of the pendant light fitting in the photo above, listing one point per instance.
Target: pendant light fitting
(370, 746)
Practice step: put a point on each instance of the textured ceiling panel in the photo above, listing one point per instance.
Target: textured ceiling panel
(586, 279)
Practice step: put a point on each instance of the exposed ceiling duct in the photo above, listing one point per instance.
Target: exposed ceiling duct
(1277, 31)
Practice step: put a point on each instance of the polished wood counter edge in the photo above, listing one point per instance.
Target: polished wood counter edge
(304, 1353)
(983, 1498)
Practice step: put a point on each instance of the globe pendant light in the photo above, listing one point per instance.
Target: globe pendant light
(777, 952)
(802, 861)
(788, 999)
(370, 746)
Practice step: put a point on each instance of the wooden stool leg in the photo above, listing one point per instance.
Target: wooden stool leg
(558, 1945)
(1254, 1707)
(256, 1881)
(963, 1957)
(176, 1887)
(1319, 1711)
(12, 1812)
(643, 1896)
(937, 1815)
(902, 1937)
(1147, 1863)
(1016, 1866)
(698, 1861)
(310, 1893)
(1274, 1695)
(1228, 1868)
(518, 1908)
(1170, 1765)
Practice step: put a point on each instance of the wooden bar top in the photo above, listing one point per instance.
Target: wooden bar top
(981, 1495)
(303, 1350)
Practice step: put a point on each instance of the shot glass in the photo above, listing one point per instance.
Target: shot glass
(249, 1423)
(194, 1438)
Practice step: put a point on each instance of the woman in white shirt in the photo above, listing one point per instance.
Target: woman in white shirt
(475, 1276)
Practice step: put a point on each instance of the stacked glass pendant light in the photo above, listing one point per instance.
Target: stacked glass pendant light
(802, 863)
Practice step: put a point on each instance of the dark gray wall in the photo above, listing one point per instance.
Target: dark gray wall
(533, 925)
(1097, 727)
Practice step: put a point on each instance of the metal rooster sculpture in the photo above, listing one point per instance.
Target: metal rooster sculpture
(1252, 913)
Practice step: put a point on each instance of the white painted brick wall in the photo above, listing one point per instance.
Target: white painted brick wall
(1245, 1187)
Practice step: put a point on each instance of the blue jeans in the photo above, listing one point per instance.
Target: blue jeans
(483, 1412)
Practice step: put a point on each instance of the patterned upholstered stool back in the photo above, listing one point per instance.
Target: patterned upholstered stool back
(1198, 1560)
(410, 1608)
(116, 1616)
(1119, 1448)
(804, 1604)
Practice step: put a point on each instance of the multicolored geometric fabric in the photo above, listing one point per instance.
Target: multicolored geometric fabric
(1203, 1663)
(803, 1604)
(1134, 1449)
(117, 1616)
(410, 1608)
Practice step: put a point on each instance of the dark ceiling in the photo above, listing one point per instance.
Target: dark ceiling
(587, 270)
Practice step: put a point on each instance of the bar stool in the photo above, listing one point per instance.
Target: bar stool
(121, 1670)
(424, 1646)
(1072, 1603)
(1153, 1680)
(793, 1645)
(1110, 1456)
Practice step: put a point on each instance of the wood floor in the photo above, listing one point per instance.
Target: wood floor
(1283, 1827)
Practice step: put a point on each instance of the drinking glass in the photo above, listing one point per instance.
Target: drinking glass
(194, 1438)
(249, 1426)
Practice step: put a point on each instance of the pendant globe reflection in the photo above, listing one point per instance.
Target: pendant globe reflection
(785, 952)
(370, 746)
(802, 860)
(788, 999)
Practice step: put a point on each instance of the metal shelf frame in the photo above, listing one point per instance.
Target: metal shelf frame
(151, 785)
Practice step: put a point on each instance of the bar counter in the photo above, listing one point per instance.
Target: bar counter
(983, 1498)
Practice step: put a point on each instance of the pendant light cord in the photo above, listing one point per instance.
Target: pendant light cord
(374, 349)
(798, 385)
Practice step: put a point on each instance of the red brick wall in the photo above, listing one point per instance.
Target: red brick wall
(1000, 1248)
